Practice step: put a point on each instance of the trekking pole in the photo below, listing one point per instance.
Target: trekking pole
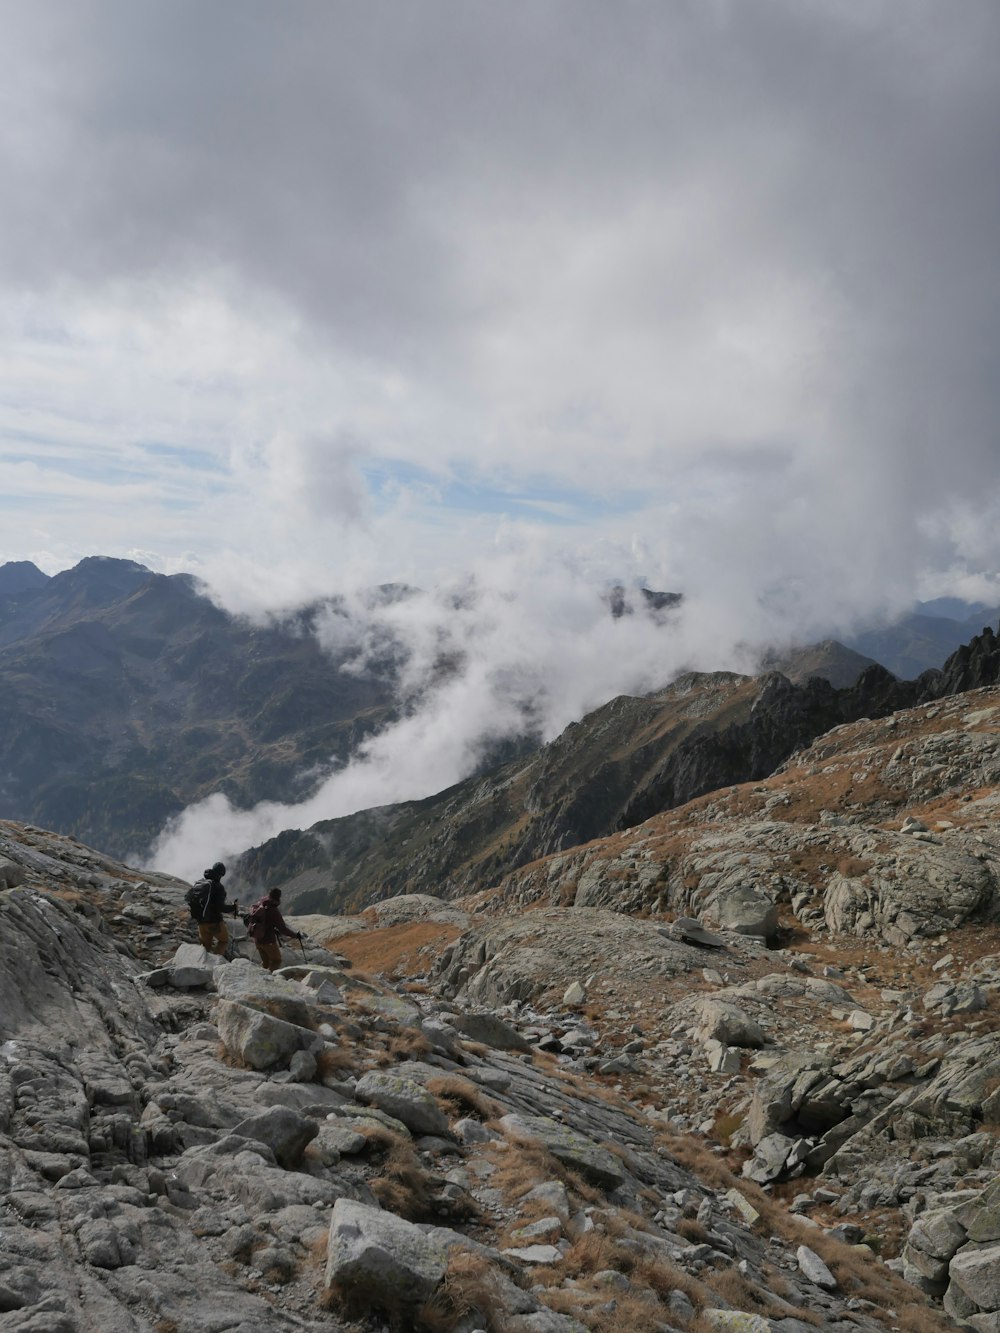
(302, 947)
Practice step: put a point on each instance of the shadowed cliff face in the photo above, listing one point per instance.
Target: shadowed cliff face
(616, 768)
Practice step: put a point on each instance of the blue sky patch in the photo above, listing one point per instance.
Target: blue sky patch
(467, 493)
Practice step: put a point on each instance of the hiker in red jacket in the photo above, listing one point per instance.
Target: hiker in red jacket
(266, 925)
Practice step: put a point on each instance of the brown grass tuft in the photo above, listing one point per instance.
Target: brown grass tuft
(461, 1098)
(470, 1287)
(334, 1060)
(406, 1044)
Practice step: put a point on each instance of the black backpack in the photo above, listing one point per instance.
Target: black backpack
(197, 898)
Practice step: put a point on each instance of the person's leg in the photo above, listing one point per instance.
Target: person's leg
(270, 956)
(213, 935)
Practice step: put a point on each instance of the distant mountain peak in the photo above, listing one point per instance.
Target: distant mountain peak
(20, 576)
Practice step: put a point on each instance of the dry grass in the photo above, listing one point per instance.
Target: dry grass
(334, 1060)
(861, 1275)
(519, 1166)
(630, 1312)
(470, 1287)
(397, 951)
(736, 1290)
(459, 1098)
(475, 1048)
(592, 1253)
(691, 1229)
(525, 1163)
(225, 1057)
(402, 1186)
(922, 1319)
(405, 1044)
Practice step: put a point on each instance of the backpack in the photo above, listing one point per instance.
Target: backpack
(254, 919)
(197, 898)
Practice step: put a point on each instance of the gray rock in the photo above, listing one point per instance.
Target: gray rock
(937, 1233)
(405, 1100)
(251, 986)
(728, 1024)
(302, 1067)
(11, 874)
(285, 1131)
(491, 1030)
(814, 1269)
(568, 1146)
(261, 1041)
(747, 911)
(977, 1272)
(374, 1255)
(693, 932)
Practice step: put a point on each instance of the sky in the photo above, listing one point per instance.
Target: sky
(701, 294)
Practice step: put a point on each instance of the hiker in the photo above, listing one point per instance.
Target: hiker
(265, 925)
(211, 928)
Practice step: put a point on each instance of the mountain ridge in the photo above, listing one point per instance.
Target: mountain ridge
(616, 768)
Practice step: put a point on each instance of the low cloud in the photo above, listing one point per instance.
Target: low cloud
(515, 649)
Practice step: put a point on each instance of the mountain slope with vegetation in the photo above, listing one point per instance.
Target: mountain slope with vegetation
(617, 767)
(127, 695)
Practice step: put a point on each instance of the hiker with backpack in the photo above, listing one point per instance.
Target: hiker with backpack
(207, 902)
(266, 925)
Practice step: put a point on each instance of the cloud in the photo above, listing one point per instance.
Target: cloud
(707, 291)
(519, 647)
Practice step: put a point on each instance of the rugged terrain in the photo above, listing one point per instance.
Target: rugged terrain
(736, 1067)
(615, 768)
(127, 695)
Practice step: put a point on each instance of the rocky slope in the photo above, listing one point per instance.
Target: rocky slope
(737, 1067)
(127, 695)
(617, 767)
(187, 1144)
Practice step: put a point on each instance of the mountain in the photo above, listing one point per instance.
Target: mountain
(20, 576)
(831, 660)
(617, 767)
(127, 695)
(925, 637)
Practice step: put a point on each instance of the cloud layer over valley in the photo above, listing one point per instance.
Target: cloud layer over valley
(518, 653)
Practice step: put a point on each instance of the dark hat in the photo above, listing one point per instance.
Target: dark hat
(217, 871)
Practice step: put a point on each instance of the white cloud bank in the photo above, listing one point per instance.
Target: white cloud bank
(518, 648)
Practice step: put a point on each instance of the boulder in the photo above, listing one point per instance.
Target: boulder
(814, 1269)
(11, 874)
(258, 1039)
(575, 1150)
(246, 984)
(693, 932)
(405, 1100)
(728, 1025)
(976, 1271)
(377, 1257)
(491, 1030)
(747, 911)
(192, 966)
(284, 1130)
